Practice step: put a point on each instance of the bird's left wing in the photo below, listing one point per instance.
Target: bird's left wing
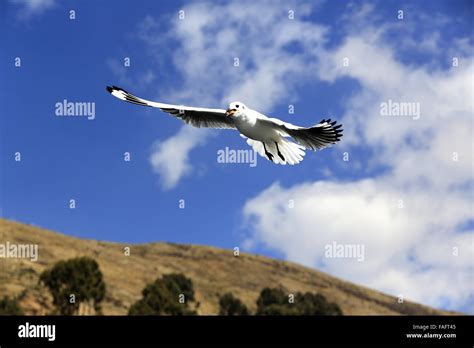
(197, 117)
(321, 135)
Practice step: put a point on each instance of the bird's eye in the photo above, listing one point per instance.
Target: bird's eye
(237, 106)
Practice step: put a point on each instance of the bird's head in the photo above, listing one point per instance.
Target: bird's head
(236, 109)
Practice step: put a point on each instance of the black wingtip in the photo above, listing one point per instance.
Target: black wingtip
(109, 89)
(120, 89)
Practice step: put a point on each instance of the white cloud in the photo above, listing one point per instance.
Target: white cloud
(170, 157)
(409, 251)
(210, 37)
(30, 8)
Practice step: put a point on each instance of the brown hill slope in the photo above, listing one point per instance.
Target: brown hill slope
(213, 271)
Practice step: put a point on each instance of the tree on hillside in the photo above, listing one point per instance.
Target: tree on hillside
(269, 296)
(74, 282)
(10, 306)
(315, 304)
(177, 283)
(276, 302)
(169, 295)
(230, 305)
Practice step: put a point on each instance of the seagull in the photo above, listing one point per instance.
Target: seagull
(269, 137)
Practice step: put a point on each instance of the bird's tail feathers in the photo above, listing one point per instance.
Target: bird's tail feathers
(291, 152)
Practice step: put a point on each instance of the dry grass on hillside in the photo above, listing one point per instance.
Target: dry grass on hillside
(213, 271)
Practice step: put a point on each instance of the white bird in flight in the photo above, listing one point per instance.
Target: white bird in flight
(268, 136)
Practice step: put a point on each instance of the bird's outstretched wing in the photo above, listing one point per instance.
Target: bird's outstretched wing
(198, 117)
(322, 135)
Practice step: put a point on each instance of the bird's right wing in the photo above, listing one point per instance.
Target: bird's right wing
(198, 117)
(322, 135)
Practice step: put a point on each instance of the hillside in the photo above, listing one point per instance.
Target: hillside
(214, 271)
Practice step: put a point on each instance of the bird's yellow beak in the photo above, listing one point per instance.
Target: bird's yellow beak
(230, 112)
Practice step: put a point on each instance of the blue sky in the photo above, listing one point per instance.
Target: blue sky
(283, 62)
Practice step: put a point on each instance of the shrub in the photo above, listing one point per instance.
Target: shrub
(275, 302)
(10, 306)
(80, 277)
(230, 305)
(162, 297)
(270, 296)
(177, 283)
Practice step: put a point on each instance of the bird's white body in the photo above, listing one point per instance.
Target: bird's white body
(268, 136)
(250, 124)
